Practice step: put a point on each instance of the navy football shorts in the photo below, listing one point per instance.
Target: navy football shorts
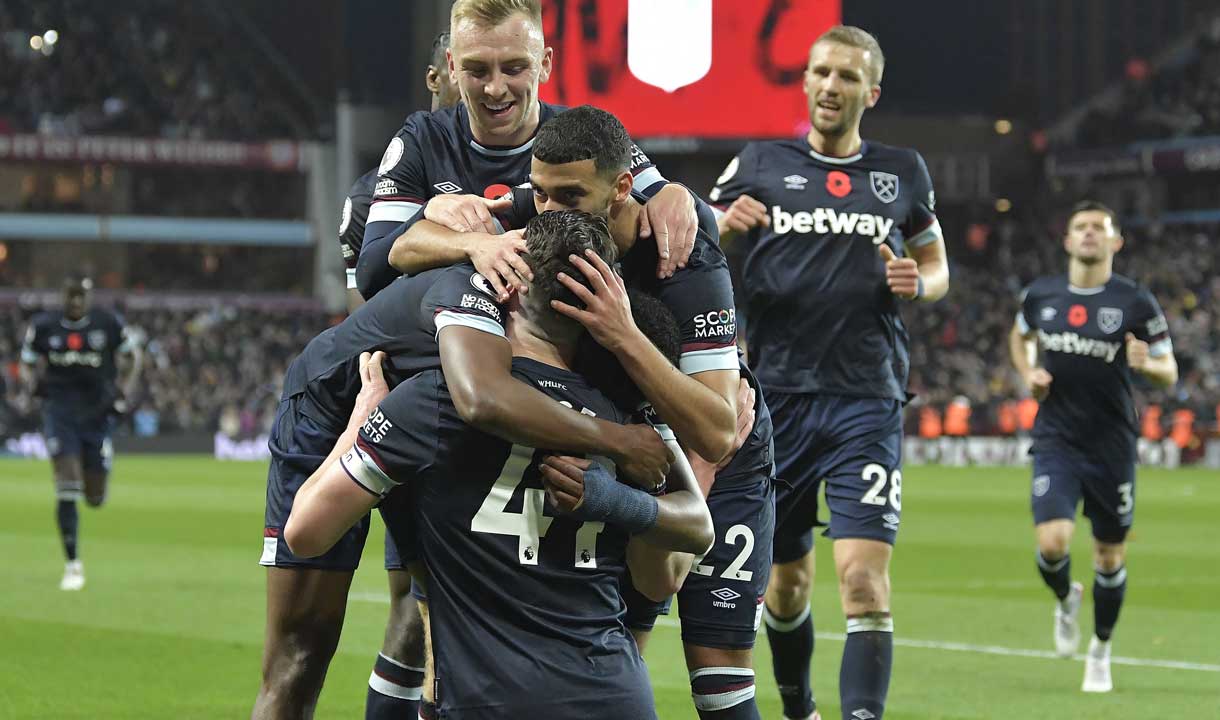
(69, 432)
(720, 604)
(299, 444)
(854, 446)
(1062, 478)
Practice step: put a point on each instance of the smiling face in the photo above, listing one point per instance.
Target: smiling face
(497, 70)
(839, 87)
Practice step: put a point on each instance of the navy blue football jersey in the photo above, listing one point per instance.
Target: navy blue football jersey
(351, 223)
(820, 316)
(434, 153)
(1081, 337)
(510, 579)
(402, 320)
(80, 356)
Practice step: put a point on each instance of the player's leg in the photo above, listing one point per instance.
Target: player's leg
(642, 613)
(786, 611)
(427, 704)
(721, 601)
(1054, 495)
(722, 682)
(306, 597)
(1109, 502)
(69, 485)
(64, 446)
(789, 623)
(864, 494)
(862, 566)
(305, 609)
(396, 682)
(97, 454)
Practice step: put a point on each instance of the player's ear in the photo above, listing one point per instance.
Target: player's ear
(544, 68)
(432, 79)
(1117, 244)
(874, 94)
(622, 186)
(450, 66)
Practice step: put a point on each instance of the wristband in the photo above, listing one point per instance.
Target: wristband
(608, 500)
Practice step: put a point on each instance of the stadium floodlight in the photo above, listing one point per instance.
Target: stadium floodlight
(36, 42)
(50, 37)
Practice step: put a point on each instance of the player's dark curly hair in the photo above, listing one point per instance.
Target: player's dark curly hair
(585, 133)
(599, 366)
(549, 239)
(657, 323)
(1095, 206)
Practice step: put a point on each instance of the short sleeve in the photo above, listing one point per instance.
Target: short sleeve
(921, 226)
(1024, 313)
(389, 449)
(1151, 325)
(29, 348)
(462, 296)
(401, 176)
(700, 297)
(737, 179)
(644, 174)
(352, 221)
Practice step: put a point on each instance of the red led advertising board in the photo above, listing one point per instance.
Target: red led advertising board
(758, 50)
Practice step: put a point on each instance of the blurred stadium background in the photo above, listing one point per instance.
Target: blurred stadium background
(194, 158)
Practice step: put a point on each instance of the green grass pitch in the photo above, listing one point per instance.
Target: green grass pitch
(170, 624)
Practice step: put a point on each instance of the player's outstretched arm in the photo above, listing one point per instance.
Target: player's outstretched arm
(702, 410)
(332, 500)
(477, 367)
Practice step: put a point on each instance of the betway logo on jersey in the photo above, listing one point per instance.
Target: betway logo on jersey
(828, 221)
(73, 357)
(1070, 342)
(716, 323)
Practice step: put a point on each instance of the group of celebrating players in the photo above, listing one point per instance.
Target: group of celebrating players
(521, 274)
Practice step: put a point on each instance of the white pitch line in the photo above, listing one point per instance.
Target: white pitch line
(933, 645)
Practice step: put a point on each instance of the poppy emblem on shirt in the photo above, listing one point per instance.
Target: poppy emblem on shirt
(75, 341)
(499, 190)
(838, 183)
(1078, 315)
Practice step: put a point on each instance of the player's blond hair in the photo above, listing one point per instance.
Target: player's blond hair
(489, 13)
(853, 36)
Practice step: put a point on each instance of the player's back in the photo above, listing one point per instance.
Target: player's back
(525, 607)
(820, 316)
(402, 320)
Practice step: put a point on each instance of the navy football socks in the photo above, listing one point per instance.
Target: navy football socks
(394, 690)
(864, 676)
(792, 641)
(1057, 574)
(68, 519)
(1108, 591)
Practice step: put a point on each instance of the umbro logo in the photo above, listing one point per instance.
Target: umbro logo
(795, 182)
(448, 187)
(863, 714)
(1048, 313)
(724, 598)
(891, 521)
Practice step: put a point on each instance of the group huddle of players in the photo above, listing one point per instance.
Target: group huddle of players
(522, 275)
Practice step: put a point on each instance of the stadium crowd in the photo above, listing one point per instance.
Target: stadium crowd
(204, 370)
(219, 369)
(76, 67)
(1182, 98)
